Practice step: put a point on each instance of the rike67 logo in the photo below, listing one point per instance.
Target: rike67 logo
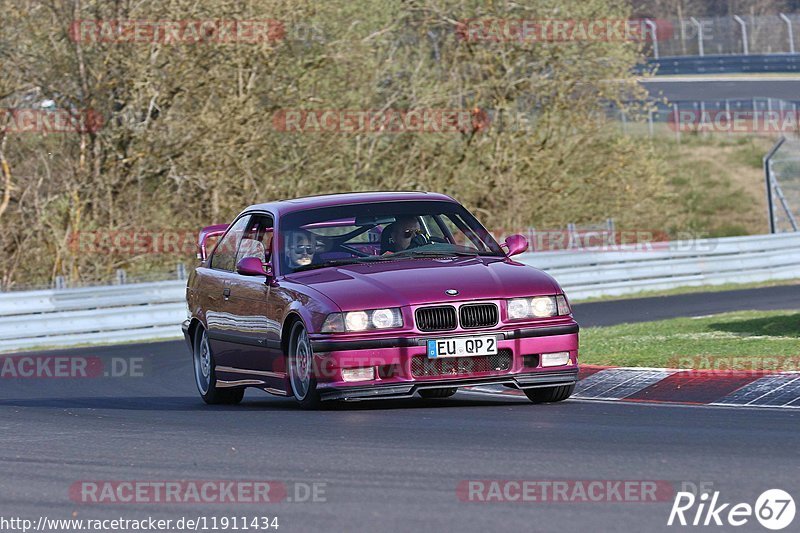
(774, 509)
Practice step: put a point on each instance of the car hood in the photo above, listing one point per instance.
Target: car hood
(424, 281)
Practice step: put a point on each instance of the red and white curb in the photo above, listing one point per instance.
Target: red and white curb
(696, 387)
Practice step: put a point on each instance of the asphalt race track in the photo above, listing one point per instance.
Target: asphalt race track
(380, 465)
(719, 88)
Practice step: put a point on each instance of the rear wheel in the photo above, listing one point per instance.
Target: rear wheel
(205, 376)
(550, 394)
(437, 393)
(301, 368)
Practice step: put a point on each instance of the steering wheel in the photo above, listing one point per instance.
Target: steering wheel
(351, 250)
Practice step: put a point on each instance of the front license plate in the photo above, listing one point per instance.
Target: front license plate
(462, 347)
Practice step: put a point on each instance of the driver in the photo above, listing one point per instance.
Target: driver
(405, 233)
(299, 246)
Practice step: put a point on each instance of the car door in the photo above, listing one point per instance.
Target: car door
(221, 324)
(253, 307)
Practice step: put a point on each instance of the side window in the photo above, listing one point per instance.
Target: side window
(257, 239)
(462, 234)
(432, 228)
(224, 257)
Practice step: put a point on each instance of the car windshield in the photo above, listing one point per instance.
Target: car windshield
(382, 231)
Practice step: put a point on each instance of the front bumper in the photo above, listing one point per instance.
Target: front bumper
(396, 377)
(519, 381)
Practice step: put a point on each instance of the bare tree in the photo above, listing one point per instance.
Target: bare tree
(188, 136)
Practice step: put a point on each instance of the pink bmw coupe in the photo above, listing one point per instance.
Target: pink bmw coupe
(372, 296)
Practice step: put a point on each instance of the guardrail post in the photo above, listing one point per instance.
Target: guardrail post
(122, 276)
(791, 31)
(745, 40)
(683, 36)
(703, 118)
(181, 269)
(654, 33)
(677, 117)
(61, 283)
(728, 118)
(571, 236)
(699, 27)
(612, 237)
(768, 179)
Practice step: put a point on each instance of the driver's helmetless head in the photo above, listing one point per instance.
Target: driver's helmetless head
(403, 230)
(299, 247)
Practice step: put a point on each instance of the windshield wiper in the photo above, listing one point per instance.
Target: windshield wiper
(436, 253)
(339, 262)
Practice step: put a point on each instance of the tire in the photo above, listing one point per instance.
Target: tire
(205, 375)
(437, 393)
(550, 394)
(300, 364)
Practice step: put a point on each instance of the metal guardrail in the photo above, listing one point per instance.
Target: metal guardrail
(147, 311)
(91, 315)
(726, 64)
(588, 274)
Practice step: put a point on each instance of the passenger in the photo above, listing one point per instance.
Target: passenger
(299, 247)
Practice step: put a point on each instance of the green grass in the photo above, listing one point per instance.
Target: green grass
(689, 342)
(713, 183)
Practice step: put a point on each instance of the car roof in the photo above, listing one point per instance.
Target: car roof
(328, 200)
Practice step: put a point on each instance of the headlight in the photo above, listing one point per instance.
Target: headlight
(543, 306)
(383, 318)
(356, 321)
(363, 320)
(537, 307)
(518, 308)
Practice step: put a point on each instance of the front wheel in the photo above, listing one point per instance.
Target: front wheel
(205, 375)
(301, 368)
(550, 394)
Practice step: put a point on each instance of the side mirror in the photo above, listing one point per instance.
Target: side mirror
(516, 244)
(251, 266)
